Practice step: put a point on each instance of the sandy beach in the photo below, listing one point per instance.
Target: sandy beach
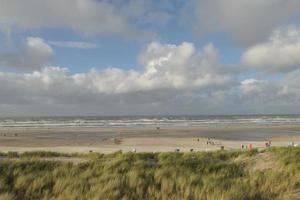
(108, 140)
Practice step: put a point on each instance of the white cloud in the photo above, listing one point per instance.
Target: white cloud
(246, 21)
(279, 54)
(89, 17)
(170, 76)
(250, 85)
(73, 44)
(258, 89)
(164, 67)
(270, 96)
(34, 54)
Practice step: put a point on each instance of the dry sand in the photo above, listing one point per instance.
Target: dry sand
(107, 140)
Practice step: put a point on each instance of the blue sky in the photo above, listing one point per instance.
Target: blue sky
(149, 57)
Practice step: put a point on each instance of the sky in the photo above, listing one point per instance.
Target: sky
(149, 57)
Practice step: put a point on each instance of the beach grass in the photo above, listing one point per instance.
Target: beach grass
(193, 175)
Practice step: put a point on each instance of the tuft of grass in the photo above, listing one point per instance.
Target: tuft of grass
(192, 175)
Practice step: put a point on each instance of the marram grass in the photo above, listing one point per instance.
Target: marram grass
(195, 175)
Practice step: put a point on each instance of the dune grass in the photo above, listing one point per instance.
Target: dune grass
(193, 175)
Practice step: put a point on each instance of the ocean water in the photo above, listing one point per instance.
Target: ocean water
(149, 121)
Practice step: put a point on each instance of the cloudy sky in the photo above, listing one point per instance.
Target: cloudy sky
(148, 57)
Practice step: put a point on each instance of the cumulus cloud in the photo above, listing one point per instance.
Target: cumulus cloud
(172, 66)
(261, 91)
(34, 54)
(89, 17)
(73, 44)
(173, 79)
(183, 67)
(269, 96)
(246, 21)
(164, 66)
(279, 54)
(169, 75)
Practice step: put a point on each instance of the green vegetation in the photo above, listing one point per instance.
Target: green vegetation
(38, 154)
(193, 175)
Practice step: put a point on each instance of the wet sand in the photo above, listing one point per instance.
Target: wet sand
(107, 140)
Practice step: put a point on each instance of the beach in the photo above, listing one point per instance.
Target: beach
(145, 139)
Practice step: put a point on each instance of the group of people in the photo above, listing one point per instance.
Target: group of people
(268, 144)
(212, 142)
(249, 146)
(209, 141)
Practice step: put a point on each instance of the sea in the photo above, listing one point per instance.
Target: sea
(149, 121)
